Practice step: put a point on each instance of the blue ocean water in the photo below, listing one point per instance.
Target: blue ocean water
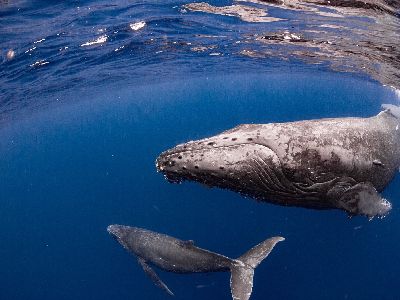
(79, 137)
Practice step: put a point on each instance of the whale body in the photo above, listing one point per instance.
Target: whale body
(338, 163)
(174, 255)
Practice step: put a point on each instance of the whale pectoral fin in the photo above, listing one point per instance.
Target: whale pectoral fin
(363, 199)
(154, 277)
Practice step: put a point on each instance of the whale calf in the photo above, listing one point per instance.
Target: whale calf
(174, 255)
(340, 163)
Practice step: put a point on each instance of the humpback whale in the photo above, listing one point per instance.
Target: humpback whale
(174, 255)
(338, 163)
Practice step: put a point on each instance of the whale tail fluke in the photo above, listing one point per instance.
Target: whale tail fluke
(242, 271)
(392, 109)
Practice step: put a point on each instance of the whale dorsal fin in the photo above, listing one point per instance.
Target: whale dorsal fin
(189, 243)
(186, 244)
(154, 277)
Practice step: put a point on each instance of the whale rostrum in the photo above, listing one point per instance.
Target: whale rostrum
(174, 255)
(338, 163)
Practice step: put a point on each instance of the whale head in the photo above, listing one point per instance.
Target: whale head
(125, 235)
(117, 231)
(235, 160)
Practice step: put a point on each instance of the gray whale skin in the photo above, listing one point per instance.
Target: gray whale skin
(174, 255)
(340, 163)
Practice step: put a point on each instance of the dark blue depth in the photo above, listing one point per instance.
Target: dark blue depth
(71, 170)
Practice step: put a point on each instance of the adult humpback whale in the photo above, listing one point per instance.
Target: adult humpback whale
(173, 255)
(324, 164)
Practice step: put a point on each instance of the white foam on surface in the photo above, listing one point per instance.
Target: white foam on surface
(137, 26)
(100, 40)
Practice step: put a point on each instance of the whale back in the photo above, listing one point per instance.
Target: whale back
(169, 253)
(317, 151)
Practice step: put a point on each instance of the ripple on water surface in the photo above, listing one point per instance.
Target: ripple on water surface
(75, 46)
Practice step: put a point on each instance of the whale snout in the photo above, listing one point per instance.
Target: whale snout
(117, 231)
(210, 155)
(198, 160)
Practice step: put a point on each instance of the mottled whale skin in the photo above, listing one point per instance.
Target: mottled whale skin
(338, 163)
(174, 255)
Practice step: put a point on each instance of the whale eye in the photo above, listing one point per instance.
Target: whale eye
(211, 143)
(183, 168)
